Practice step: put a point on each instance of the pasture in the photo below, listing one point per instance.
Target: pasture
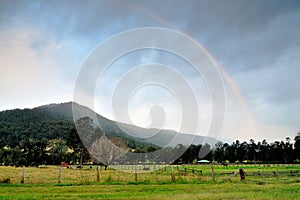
(134, 182)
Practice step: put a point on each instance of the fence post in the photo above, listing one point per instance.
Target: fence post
(59, 174)
(135, 174)
(98, 173)
(172, 174)
(24, 175)
(212, 172)
(242, 174)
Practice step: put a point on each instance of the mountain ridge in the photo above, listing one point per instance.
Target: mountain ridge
(162, 138)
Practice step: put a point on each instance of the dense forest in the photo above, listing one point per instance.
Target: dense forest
(33, 137)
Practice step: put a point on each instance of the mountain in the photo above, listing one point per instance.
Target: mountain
(55, 120)
(154, 136)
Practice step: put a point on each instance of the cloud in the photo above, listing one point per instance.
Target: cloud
(29, 70)
(44, 43)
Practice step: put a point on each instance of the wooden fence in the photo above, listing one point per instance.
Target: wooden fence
(138, 173)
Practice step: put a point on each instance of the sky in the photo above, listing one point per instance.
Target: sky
(43, 45)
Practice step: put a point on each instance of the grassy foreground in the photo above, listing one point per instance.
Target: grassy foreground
(41, 183)
(243, 190)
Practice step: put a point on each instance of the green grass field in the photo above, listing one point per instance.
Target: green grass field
(42, 183)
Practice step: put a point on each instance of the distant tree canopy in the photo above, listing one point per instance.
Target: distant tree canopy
(275, 152)
(30, 137)
(297, 146)
(27, 137)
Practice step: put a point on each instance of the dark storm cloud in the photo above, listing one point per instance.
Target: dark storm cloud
(257, 42)
(245, 35)
(214, 21)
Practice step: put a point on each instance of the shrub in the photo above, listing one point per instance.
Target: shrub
(5, 180)
(21, 162)
(34, 164)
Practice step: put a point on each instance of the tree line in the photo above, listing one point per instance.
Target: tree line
(248, 152)
(51, 141)
(58, 141)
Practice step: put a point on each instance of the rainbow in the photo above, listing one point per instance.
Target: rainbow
(224, 72)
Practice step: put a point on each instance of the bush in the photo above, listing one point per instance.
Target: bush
(34, 164)
(6, 161)
(21, 162)
(5, 180)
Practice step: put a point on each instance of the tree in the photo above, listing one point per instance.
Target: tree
(85, 130)
(107, 151)
(219, 152)
(288, 151)
(58, 151)
(190, 154)
(276, 152)
(205, 152)
(297, 146)
(74, 142)
(264, 151)
(251, 151)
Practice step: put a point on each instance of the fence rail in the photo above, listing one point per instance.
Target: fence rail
(275, 173)
(139, 173)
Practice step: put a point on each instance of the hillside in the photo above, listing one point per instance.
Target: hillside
(162, 138)
(56, 120)
(47, 135)
(17, 125)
